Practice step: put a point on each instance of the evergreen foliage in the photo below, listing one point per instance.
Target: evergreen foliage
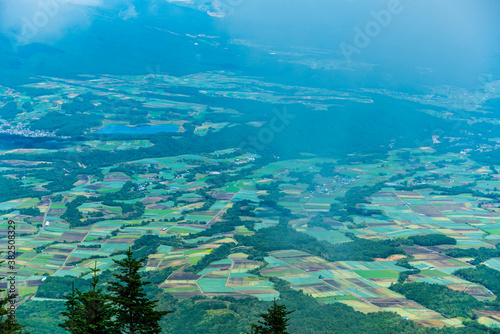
(483, 275)
(432, 240)
(275, 321)
(135, 313)
(89, 312)
(8, 323)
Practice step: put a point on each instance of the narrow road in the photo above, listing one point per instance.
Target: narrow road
(229, 276)
(409, 207)
(303, 209)
(69, 256)
(212, 221)
(44, 220)
(36, 235)
(46, 213)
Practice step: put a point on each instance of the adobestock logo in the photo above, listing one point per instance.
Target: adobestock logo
(233, 3)
(266, 135)
(32, 24)
(372, 29)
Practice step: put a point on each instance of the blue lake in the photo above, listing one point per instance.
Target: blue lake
(137, 130)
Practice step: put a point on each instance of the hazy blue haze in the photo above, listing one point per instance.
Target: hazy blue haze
(427, 42)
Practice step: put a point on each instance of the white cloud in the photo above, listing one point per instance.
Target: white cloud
(84, 2)
(45, 21)
(129, 13)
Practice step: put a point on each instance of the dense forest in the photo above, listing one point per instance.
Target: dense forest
(67, 125)
(441, 299)
(480, 255)
(483, 275)
(432, 240)
(13, 188)
(282, 237)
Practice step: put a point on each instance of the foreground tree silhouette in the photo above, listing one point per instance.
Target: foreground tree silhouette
(135, 313)
(89, 312)
(8, 324)
(274, 321)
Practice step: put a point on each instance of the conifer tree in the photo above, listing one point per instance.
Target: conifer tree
(274, 321)
(89, 312)
(8, 324)
(72, 313)
(135, 312)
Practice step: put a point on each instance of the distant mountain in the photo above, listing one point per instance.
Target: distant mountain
(180, 37)
(175, 38)
(163, 41)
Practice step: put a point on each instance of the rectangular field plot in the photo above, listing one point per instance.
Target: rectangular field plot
(377, 273)
(110, 248)
(214, 285)
(185, 230)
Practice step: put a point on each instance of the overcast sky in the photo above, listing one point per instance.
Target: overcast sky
(450, 35)
(53, 19)
(462, 32)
